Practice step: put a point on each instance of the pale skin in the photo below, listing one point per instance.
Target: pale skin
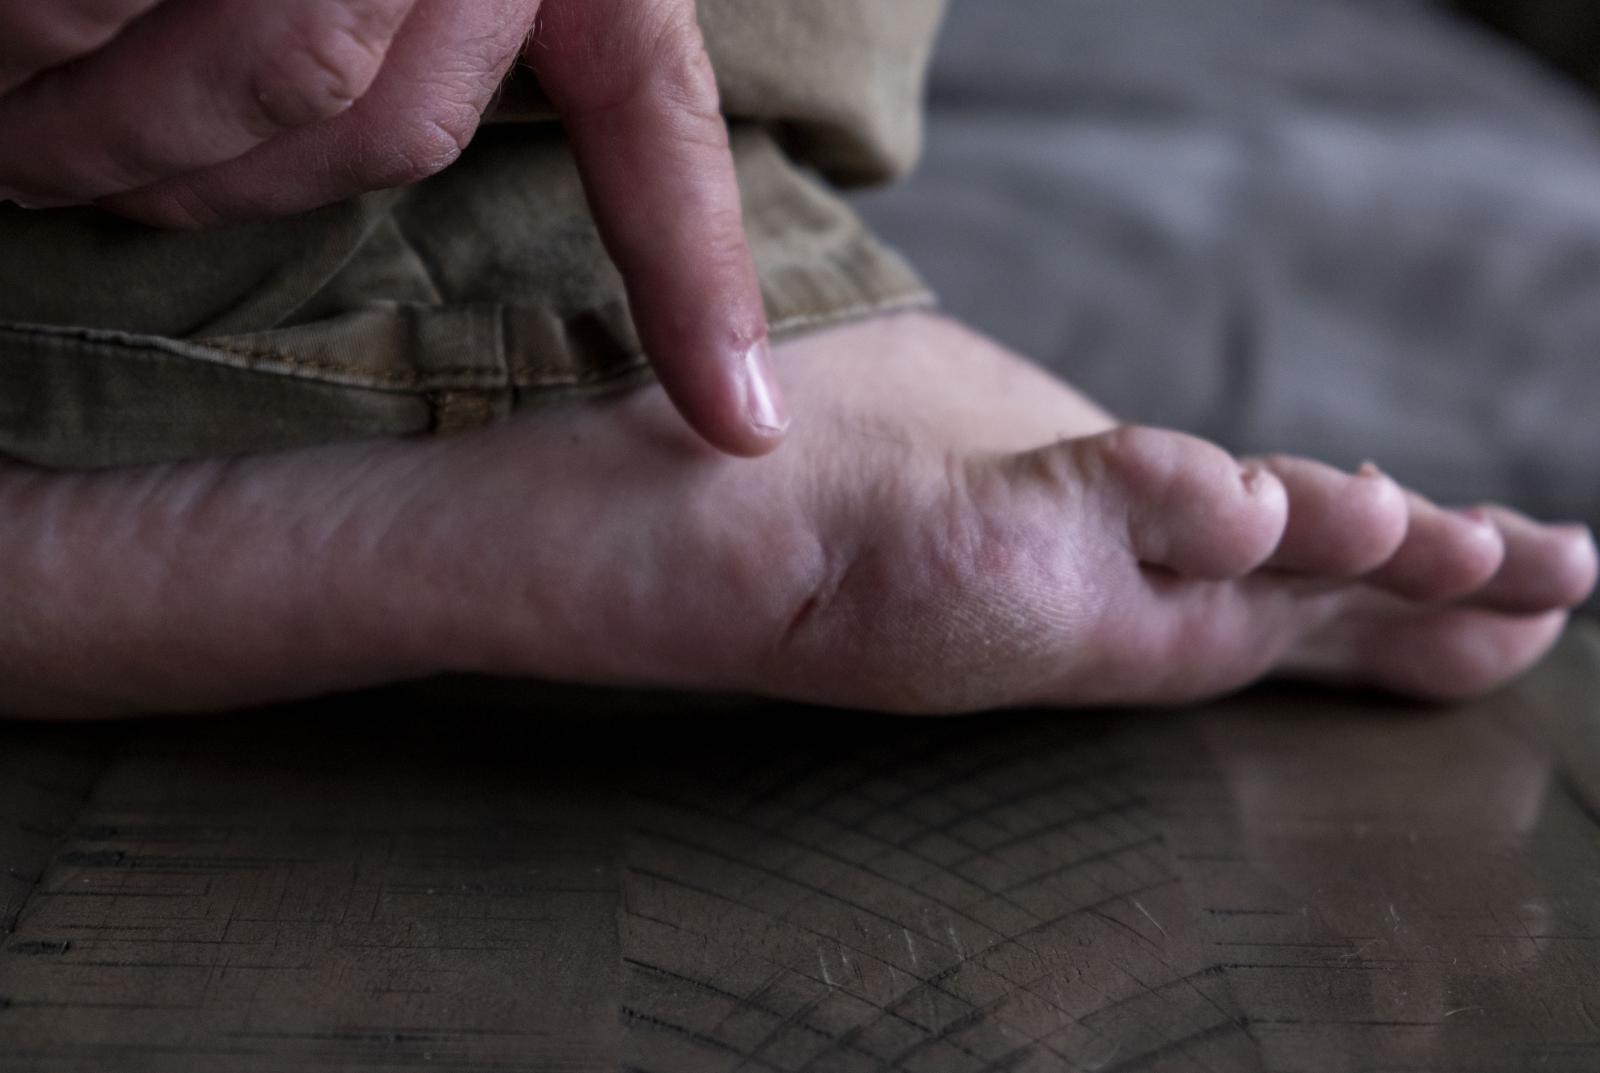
(946, 528)
(949, 530)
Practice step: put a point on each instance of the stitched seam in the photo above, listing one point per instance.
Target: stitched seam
(295, 361)
(437, 379)
(434, 379)
(809, 318)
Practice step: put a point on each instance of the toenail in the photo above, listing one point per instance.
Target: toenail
(1369, 469)
(1254, 479)
(1477, 516)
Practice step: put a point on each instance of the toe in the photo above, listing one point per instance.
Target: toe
(1453, 654)
(1446, 555)
(1546, 568)
(1190, 506)
(1450, 653)
(1340, 525)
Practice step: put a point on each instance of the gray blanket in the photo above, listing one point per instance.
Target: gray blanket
(1357, 230)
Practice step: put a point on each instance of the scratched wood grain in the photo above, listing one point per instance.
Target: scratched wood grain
(477, 877)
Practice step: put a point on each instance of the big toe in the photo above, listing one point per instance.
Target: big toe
(1190, 507)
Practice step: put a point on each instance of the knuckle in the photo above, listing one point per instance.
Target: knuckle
(423, 146)
(696, 127)
(1126, 453)
(168, 215)
(726, 248)
(318, 71)
(173, 206)
(125, 162)
(676, 57)
(652, 56)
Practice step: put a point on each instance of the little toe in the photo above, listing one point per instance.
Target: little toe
(1191, 508)
(1446, 556)
(1546, 567)
(1341, 526)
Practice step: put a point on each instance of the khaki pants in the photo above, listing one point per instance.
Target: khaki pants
(454, 302)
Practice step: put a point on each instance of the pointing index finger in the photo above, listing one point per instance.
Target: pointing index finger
(635, 89)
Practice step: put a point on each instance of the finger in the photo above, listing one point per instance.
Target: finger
(440, 73)
(36, 35)
(634, 87)
(194, 83)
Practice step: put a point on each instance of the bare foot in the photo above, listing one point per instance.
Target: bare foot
(946, 529)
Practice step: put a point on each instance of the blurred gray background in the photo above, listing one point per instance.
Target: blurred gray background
(1352, 228)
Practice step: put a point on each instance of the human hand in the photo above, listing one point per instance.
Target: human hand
(189, 113)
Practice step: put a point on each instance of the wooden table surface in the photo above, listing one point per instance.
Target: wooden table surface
(499, 878)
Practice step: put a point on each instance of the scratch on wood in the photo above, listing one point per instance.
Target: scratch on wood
(1139, 906)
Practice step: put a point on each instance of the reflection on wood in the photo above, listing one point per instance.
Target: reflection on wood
(499, 878)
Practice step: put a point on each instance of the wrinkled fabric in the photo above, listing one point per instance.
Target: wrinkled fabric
(454, 302)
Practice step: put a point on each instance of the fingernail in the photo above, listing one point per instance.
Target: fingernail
(1369, 469)
(763, 399)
